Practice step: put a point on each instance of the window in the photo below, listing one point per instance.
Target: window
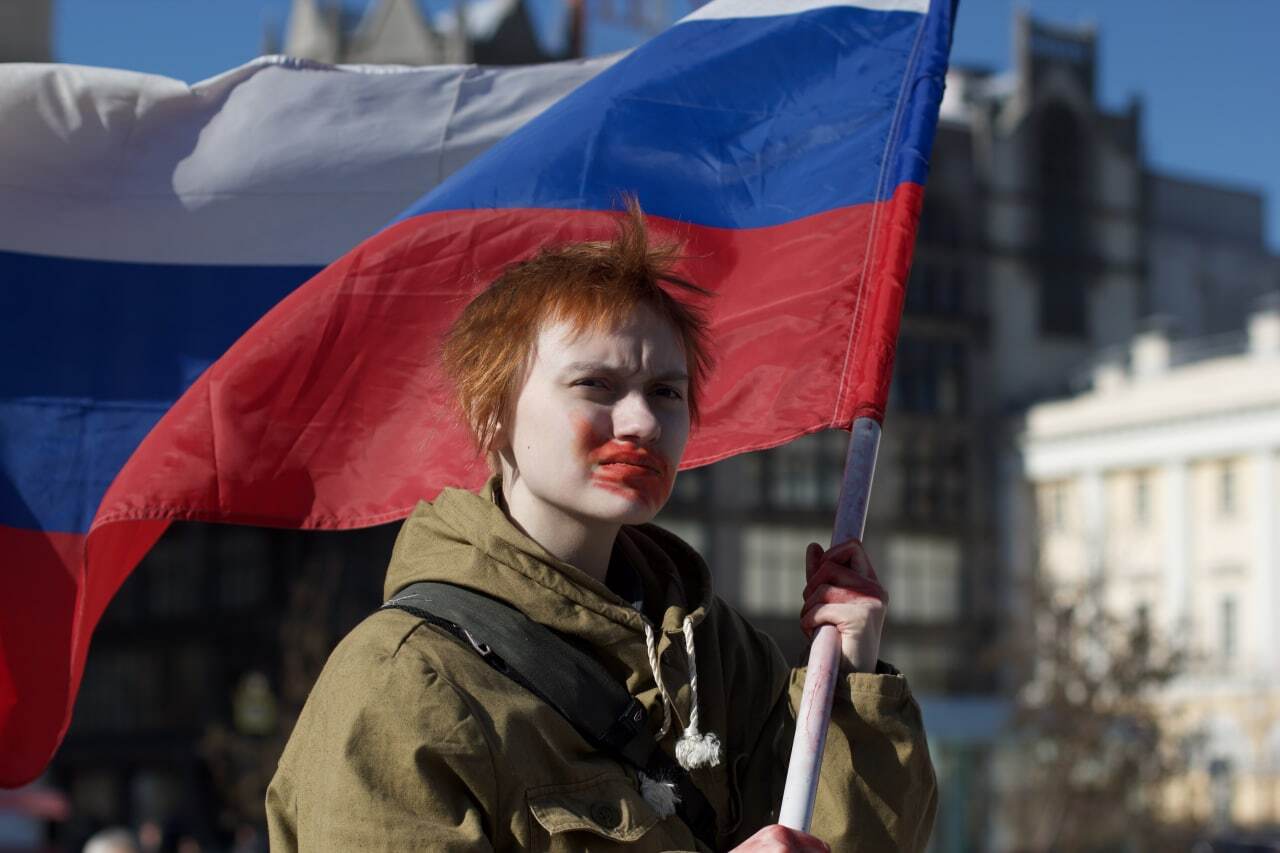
(176, 590)
(1053, 505)
(1227, 489)
(925, 664)
(936, 289)
(1228, 627)
(912, 389)
(935, 478)
(929, 376)
(1062, 303)
(1060, 507)
(923, 578)
(752, 468)
(1221, 785)
(693, 533)
(1141, 499)
(951, 295)
(919, 294)
(121, 690)
(1064, 225)
(244, 566)
(939, 224)
(130, 603)
(773, 567)
(807, 473)
(190, 689)
(1140, 630)
(690, 487)
(1062, 147)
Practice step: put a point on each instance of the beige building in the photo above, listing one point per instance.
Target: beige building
(1160, 486)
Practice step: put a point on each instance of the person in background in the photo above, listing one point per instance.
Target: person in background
(151, 836)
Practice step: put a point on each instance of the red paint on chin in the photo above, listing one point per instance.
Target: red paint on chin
(626, 469)
(632, 482)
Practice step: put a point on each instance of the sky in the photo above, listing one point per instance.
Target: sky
(1206, 71)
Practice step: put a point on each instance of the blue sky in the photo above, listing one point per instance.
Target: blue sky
(1207, 71)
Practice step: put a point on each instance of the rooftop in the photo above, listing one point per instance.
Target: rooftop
(1158, 379)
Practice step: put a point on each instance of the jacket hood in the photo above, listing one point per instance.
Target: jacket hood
(466, 539)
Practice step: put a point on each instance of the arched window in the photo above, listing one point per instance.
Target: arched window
(1063, 178)
(939, 224)
(1062, 170)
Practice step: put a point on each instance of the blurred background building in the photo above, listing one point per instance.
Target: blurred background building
(1047, 242)
(401, 32)
(26, 31)
(1157, 488)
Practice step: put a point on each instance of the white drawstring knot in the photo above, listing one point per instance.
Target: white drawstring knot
(695, 749)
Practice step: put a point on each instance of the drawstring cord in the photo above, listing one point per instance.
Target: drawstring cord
(694, 749)
(650, 646)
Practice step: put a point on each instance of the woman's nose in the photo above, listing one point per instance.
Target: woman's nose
(634, 420)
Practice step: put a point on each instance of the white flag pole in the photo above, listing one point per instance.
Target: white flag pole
(824, 654)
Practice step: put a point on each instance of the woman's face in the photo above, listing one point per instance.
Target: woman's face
(601, 422)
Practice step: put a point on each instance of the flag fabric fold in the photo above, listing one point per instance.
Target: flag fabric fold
(165, 376)
(146, 225)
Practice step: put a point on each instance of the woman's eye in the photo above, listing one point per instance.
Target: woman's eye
(590, 382)
(668, 392)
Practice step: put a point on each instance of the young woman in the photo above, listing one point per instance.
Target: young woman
(579, 372)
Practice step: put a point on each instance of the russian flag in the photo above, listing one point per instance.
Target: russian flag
(164, 358)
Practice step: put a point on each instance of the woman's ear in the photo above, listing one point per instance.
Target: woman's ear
(498, 454)
(491, 452)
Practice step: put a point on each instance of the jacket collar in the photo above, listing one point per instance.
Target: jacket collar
(467, 539)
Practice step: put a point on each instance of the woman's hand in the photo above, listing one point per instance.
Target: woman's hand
(843, 591)
(776, 838)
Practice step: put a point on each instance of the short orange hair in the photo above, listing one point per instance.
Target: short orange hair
(591, 286)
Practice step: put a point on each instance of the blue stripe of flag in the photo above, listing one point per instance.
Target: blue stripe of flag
(98, 351)
(738, 123)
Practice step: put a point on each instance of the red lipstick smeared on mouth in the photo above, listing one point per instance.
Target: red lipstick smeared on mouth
(626, 469)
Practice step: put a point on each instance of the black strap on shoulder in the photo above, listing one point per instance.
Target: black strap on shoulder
(578, 687)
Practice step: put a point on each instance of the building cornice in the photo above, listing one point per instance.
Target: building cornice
(1224, 432)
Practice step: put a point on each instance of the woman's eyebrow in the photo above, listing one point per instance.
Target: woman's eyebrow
(601, 367)
(590, 367)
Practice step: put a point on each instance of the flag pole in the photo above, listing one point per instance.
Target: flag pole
(824, 653)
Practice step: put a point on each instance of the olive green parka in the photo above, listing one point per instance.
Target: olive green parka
(410, 741)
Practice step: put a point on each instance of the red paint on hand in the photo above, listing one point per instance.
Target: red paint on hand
(843, 591)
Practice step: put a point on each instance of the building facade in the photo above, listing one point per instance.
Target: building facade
(1206, 256)
(1160, 487)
